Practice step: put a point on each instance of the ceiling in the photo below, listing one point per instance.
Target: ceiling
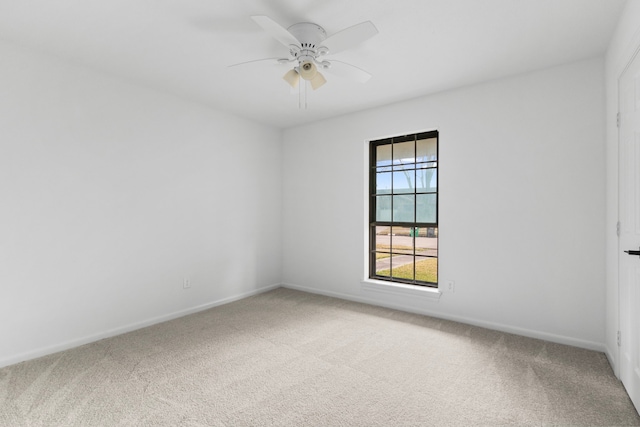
(424, 46)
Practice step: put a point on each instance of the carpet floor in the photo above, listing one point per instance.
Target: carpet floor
(289, 358)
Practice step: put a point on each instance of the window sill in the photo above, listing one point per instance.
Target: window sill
(390, 288)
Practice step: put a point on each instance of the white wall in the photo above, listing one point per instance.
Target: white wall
(522, 198)
(624, 44)
(111, 194)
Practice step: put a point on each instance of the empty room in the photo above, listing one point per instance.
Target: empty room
(319, 213)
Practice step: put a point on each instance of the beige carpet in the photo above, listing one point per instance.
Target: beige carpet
(294, 359)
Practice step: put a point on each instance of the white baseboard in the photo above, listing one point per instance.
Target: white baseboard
(44, 351)
(613, 361)
(545, 336)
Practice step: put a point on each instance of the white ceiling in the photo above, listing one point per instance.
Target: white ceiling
(423, 46)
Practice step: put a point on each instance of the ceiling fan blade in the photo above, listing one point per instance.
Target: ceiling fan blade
(317, 81)
(350, 37)
(276, 30)
(275, 61)
(349, 71)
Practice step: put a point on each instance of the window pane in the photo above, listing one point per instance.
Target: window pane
(404, 182)
(382, 248)
(383, 266)
(383, 183)
(383, 239)
(403, 208)
(427, 269)
(402, 240)
(402, 267)
(383, 208)
(426, 180)
(383, 155)
(427, 241)
(427, 150)
(403, 153)
(426, 209)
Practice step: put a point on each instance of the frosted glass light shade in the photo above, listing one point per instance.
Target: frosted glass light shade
(292, 77)
(308, 70)
(317, 81)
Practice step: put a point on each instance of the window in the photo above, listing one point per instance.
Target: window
(403, 209)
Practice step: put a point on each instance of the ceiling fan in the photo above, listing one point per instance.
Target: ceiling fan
(308, 44)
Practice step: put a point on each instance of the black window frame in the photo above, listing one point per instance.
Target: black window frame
(373, 196)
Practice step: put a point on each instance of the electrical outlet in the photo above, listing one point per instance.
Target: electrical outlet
(186, 283)
(449, 286)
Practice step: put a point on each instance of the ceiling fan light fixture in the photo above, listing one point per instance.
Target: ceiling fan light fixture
(292, 77)
(317, 81)
(308, 70)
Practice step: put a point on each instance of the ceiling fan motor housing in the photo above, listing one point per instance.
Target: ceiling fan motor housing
(308, 34)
